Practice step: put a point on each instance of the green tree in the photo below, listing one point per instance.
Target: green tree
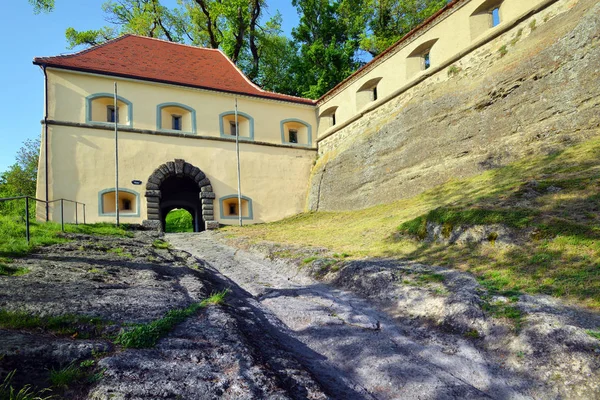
(20, 179)
(42, 5)
(389, 20)
(328, 39)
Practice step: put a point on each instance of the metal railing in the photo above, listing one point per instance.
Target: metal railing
(62, 211)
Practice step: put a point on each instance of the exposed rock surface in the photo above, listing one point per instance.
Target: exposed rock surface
(437, 309)
(222, 352)
(542, 96)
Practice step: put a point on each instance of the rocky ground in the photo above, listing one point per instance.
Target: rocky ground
(220, 352)
(296, 323)
(505, 347)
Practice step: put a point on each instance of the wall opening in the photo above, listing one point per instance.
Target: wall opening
(327, 119)
(100, 109)
(485, 17)
(245, 125)
(128, 203)
(295, 131)
(367, 93)
(179, 220)
(175, 117)
(420, 59)
(229, 206)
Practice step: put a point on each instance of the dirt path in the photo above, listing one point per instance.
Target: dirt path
(352, 349)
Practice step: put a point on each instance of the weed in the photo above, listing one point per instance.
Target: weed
(520, 354)
(447, 229)
(6, 270)
(121, 252)
(473, 334)
(161, 244)
(87, 363)
(595, 334)
(95, 271)
(68, 324)
(532, 25)
(492, 237)
(283, 254)
(453, 70)
(67, 376)
(503, 310)
(517, 37)
(147, 335)
(430, 277)
(27, 392)
(503, 51)
(309, 260)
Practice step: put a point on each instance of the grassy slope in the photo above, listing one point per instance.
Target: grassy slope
(562, 258)
(12, 234)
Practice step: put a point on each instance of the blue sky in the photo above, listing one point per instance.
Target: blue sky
(22, 83)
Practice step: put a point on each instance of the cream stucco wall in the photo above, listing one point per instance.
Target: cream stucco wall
(451, 34)
(82, 165)
(68, 92)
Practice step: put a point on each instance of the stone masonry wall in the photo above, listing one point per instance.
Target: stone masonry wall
(533, 90)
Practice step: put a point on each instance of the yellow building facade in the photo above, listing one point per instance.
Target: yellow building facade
(177, 121)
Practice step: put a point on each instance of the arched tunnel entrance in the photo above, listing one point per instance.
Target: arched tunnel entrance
(178, 184)
(181, 192)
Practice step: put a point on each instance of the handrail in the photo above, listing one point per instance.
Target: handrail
(62, 213)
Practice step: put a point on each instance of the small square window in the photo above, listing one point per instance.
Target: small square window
(232, 128)
(233, 209)
(176, 122)
(110, 114)
(496, 16)
(427, 60)
(293, 136)
(126, 205)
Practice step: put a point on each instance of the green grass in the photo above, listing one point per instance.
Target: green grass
(7, 270)
(14, 244)
(65, 377)
(179, 221)
(27, 392)
(69, 324)
(594, 334)
(561, 257)
(121, 252)
(147, 335)
(160, 244)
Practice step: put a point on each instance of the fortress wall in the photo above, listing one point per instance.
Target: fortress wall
(532, 90)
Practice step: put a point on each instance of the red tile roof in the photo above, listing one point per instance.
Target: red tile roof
(140, 57)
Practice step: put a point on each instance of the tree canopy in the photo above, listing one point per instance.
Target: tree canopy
(328, 44)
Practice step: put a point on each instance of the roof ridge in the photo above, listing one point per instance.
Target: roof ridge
(171, 42)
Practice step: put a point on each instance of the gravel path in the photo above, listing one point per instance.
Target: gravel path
(352, 349)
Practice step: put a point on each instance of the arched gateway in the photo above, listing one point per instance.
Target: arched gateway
(178, 184)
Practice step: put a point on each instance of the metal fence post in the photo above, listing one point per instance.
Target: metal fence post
(84, 214)
(62, 215)
(76, 207)
(27, 235)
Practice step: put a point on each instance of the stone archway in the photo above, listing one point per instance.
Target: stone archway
(164, 175)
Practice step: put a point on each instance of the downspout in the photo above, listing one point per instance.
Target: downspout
(46, 139)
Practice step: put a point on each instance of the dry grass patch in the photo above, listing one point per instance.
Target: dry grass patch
(555, 198)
